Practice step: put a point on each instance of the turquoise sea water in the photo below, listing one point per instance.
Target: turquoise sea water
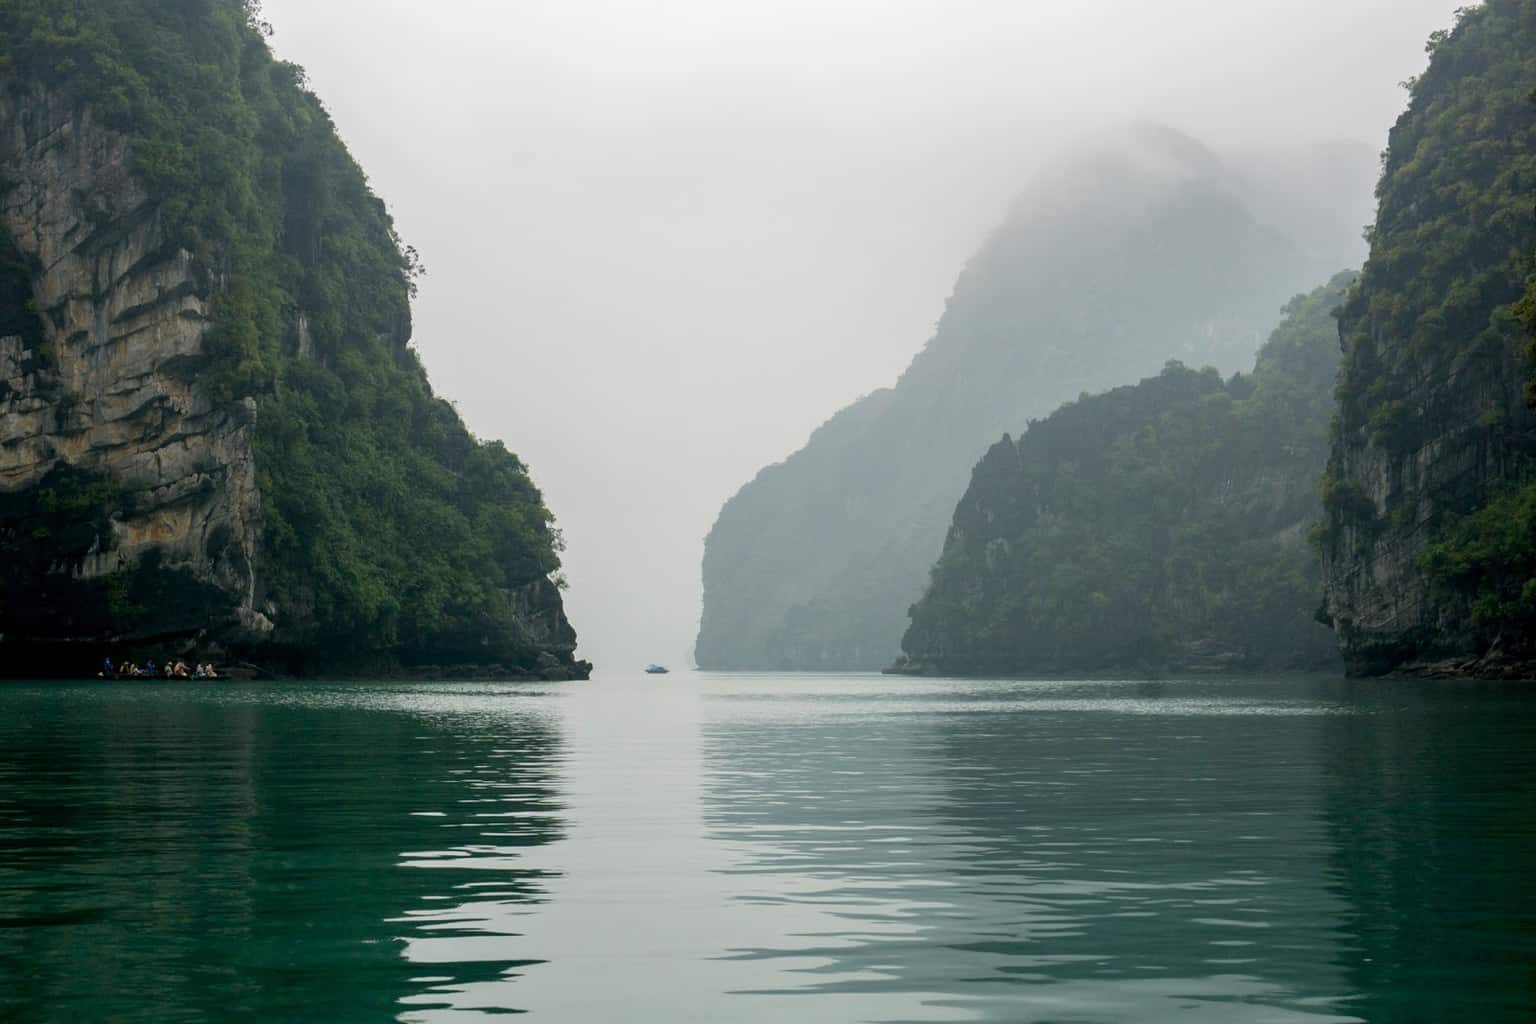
(769, 848)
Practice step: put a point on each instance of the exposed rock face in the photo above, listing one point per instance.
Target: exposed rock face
(1432, 421)
(1386, 612)
(104, 390)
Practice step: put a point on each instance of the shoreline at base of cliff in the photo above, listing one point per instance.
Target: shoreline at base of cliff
(243, 675)
(1452, 670)
(1139, 674)
(1465, 670)
(36, 665)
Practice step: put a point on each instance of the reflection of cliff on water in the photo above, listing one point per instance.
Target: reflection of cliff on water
(171, 853)
(1432, 806)
(1081, 851)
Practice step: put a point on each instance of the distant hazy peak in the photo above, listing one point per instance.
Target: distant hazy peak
(1145, 152)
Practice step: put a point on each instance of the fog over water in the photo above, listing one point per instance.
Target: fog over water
(667, 240)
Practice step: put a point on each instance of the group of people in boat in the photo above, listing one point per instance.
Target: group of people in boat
(149, 670)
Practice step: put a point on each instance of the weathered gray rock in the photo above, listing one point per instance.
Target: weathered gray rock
(1381, 602)
(124, 313)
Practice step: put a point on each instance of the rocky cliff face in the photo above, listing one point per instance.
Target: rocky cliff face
(100, 391)
(1432, 422)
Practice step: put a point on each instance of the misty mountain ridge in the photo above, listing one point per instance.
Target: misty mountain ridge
(1133, 250)
(1319, 195)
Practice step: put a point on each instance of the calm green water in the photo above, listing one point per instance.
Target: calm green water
(759, 848)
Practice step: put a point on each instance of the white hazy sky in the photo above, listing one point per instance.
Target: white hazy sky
(668, 239)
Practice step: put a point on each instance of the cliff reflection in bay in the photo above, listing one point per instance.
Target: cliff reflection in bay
(1431, 805)
(333, 854)
(1036, 851)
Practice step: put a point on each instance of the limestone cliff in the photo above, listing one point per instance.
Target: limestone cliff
(214, 434)
(97, 391)
(1432, 424)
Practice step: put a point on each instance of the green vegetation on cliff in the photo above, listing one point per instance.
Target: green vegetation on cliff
(1490, 554)
(1427, 544)
(1451, 244)
(1156, 526)
(388, 530)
